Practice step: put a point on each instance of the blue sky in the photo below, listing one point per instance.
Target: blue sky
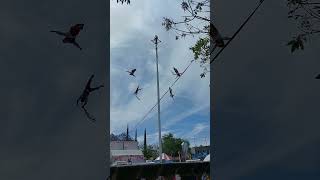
(132, 29)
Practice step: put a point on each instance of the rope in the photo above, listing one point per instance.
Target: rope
(213, 59)
(143, 118)
(237, 32)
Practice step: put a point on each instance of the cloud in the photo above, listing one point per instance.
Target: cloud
(152, 138)
(183, 115)
(131, 47)
(199, 128)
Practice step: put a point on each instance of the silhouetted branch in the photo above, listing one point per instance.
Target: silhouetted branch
(307, 14)
(194, 23)
(123, 1)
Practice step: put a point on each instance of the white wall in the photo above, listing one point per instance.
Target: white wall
(122, 145)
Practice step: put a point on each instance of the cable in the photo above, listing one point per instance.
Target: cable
(213, 59)
(162, 96)
(236, 33)
(143, 118)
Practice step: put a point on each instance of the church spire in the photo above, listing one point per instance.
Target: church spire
(135, 137)
(127, 132)
(145, 139)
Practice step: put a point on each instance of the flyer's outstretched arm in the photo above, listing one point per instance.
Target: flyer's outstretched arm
(60, 33)
(96, 88)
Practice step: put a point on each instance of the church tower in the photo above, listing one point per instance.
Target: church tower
(127, 132)
(135, 137)
(145, 139)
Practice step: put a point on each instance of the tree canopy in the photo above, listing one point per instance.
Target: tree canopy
(196, 12)
(123, 1)
(307, 15)
(171, 145)
(120, 137)
(150, 152)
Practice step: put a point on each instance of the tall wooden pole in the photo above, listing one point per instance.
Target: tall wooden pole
(156, 41)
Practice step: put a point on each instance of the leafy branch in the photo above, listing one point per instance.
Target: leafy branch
(123, 1)
(195, 22)
(307, 15)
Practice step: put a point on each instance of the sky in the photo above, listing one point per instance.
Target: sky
(132, 29)
(265, 100)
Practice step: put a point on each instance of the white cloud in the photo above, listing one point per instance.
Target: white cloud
(199, 128)
(132, 28)
(184, 115)
(194, 136)
(152, 138)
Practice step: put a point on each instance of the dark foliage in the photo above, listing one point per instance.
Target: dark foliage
(306, 13)
(123, 1)
(120, 137)
(195, 22)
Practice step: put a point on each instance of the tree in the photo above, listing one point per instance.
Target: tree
(305, 12)
(136, 136)
(114, 137)
(120, 137)
(124, 1)
(150, 152)
(197, 12)
(171, 145)
(145, 139)
(307, 15)
(127, 133)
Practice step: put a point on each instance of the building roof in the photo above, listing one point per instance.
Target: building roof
(126, 152)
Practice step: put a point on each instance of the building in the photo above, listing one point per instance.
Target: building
(200, 152)
(125, 151)
(124, 145)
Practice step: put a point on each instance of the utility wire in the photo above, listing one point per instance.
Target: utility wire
(144, 117)
(237, 32)
(213, 59)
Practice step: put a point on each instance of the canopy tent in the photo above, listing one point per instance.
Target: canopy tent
(207, 158)
(164, 157)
